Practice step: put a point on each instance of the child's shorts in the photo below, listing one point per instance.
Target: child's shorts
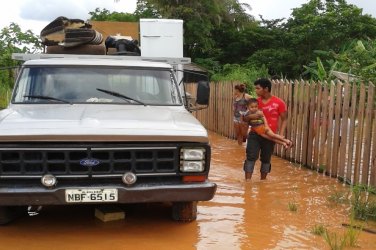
(259, 129)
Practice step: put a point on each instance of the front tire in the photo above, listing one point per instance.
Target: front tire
(184, 211)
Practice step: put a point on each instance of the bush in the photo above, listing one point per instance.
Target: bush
(240, 73)
(5, 92)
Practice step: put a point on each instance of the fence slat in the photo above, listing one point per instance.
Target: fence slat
(316, 126)
(350, 150)
(295, 120)
(310, 127)
(367, 134)
(373, 159)
(230, 101)
(284, 97)
(344, 130)
(329, 140)
(324, 128)
(359, 142)
(289, 104)
(305, 123)
(277, 92)
(337, 125)
(300, 122)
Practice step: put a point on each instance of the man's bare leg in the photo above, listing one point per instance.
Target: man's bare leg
(248, 176)
(263, 176)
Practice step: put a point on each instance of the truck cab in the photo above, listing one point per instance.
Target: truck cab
(102, 130)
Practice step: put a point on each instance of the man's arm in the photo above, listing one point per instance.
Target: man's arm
(283, 117)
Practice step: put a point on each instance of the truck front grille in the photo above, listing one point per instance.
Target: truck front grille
(68, 161)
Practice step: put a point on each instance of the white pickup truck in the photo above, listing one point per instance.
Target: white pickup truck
(98, 130)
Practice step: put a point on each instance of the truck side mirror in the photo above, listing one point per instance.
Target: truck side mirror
(203, 93)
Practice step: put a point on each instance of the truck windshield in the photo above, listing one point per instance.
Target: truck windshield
(64, 84)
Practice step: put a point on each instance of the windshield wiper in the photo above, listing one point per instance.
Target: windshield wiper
(47, 98)
(120, 96)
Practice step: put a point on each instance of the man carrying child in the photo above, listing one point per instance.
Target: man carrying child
(261, 127)
(272, 109)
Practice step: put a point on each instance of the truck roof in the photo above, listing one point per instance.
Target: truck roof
(97, 62)
(112, 60)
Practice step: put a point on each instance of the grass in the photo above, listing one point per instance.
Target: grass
(363, 206)
(318, 230)
(293, 207)
(337, 241)
(352, 236)
(334, 240)
(363, 202)
(338, 198)
(321, 169)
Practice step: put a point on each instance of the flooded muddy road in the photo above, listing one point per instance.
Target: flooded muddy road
(242, 215)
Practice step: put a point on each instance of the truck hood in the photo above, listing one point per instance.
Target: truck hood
(99, 122)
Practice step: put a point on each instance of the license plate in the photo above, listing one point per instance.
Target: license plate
(91, 195)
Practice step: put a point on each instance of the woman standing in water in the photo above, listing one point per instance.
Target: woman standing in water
(240, 107)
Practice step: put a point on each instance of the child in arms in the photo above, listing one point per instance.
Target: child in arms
(260, 126)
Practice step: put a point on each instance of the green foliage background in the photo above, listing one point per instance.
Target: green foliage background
(13, 40)
(318, 38)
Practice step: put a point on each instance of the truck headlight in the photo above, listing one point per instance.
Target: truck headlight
(192, 166)
(192, 160)
(193, 154)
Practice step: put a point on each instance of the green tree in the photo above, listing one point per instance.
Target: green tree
(359, 60)
(267, 44)
(13, 40)
(201, 20)
(278, 61)
(105, 15)
(145, 9)
(325, 25)
(356, 58)
(219, 32)
(242, 73)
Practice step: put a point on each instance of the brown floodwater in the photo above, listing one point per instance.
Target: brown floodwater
(242, 215)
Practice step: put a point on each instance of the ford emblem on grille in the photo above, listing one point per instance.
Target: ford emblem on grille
(89, 162)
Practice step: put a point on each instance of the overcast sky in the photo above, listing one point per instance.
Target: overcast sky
(36, 14)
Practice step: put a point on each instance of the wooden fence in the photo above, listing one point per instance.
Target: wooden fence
(333, 126)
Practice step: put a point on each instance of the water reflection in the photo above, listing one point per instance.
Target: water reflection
(220, 227)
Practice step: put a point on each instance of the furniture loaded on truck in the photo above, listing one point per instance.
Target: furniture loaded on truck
(99, 129)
